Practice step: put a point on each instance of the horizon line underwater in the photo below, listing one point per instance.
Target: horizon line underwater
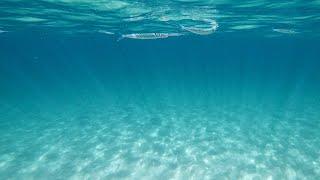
(170, 89)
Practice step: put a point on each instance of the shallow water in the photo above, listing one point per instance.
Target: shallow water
(239, 101)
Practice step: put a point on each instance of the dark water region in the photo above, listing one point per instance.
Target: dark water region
(220, 106)
(217, 67)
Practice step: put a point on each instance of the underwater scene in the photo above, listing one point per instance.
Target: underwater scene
(159, 89)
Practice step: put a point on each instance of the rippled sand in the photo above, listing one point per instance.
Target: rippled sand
(160, 142)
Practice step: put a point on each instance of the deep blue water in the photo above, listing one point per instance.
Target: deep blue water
(159, 90)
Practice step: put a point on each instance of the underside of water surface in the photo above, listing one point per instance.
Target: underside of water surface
(182, 89)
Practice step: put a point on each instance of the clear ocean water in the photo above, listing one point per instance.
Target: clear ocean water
(159, 89)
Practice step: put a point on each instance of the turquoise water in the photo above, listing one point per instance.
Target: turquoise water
(160, 89)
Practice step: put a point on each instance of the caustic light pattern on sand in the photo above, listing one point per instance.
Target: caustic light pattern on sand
(135, 142)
